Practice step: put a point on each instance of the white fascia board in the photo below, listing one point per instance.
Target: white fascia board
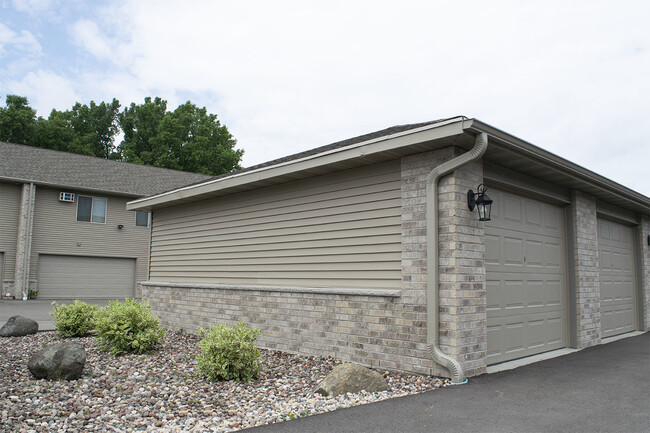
(434, 131)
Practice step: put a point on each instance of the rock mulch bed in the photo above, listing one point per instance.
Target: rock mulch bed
(162, 392)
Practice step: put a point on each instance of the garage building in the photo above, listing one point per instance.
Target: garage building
(367, 250)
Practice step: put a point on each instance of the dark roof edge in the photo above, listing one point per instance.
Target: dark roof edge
(553, 160)
(75, 187)
(100, 160)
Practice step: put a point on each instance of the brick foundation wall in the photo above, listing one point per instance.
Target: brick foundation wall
(587, 284)
(381, 331)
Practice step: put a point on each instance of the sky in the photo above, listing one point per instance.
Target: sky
(572, 77)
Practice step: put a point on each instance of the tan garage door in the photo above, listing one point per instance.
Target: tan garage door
(617, 277)
(526, 282)
(74, 277)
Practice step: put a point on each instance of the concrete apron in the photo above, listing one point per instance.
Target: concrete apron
(37, 309)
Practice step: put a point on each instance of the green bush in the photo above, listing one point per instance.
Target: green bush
(229, 353)
(127, 327)
(74, 320)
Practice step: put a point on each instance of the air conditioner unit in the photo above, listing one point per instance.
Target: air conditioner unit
(67, 196)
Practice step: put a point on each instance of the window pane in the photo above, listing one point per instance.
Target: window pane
(83, 208)
(141, 218)
(99, 210)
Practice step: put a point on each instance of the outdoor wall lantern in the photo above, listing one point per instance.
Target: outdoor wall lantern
(481, 201)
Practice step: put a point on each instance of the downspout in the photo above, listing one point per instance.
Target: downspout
(480, 145)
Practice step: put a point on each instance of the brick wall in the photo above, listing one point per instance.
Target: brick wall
(585, 247)
(462, 305)
(645, 273)
(380, 331)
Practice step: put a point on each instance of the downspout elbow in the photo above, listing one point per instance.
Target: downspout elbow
(453, 366)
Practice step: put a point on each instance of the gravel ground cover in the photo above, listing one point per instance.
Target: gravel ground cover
(162, 392)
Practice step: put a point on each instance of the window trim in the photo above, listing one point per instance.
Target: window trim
(92, 206)
(135, 218)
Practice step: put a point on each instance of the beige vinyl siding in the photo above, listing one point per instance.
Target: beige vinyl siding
(56, 231)
(335, 230)
(9, 213)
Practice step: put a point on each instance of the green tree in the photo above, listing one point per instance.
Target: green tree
(56, 133)
(141, 123)
(188, 138)
(17, 120)
(95, 127)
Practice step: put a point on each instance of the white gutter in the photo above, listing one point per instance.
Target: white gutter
(480, 146)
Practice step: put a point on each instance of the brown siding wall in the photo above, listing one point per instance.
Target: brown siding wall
(340, 230)
(56, 231)
(9, 210)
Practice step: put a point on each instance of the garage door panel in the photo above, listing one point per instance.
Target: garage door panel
(617, 278)
(72, 277)
(492, 249)
(514, 337)
(526, 283)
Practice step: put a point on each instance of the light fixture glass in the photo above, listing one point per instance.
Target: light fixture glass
(481, 201)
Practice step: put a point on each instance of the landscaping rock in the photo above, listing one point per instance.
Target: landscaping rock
(58, 361)
(19, 326)
(351, 378)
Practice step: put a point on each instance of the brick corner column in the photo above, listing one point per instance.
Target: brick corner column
(645, 270)
(462, 305)
(587, 281)
(24, 241)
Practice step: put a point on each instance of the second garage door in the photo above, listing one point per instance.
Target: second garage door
(76, 277)
(617, 277)
(526, 283)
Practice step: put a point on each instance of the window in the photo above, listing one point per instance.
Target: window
(142, 219)
(91, 209)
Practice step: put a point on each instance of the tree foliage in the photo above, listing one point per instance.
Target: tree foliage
(188, 138)
(17, 120)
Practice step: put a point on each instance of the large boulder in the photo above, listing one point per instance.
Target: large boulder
(351, 378)
(18, 326)
(58, 361)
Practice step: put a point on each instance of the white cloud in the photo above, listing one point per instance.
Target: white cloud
(45, 90)
(88, 36)
(24, 41)
(33, 6)
(286, 76)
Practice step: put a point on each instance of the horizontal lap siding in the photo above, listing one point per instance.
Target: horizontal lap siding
(9, 211)
(56, 231)
(337, 230)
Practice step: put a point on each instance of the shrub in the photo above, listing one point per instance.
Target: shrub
(229, 353)
(127, 327)
(74, 320)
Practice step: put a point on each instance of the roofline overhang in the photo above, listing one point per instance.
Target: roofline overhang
(448, 128)
(530, 151)
(62, 186)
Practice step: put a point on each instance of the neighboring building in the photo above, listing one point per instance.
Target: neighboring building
(64, 227)
(326, 251)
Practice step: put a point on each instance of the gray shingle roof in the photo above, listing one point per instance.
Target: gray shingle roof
(51, 167)
(332, 146)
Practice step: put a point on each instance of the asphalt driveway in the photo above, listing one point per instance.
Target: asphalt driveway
(601, 389)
